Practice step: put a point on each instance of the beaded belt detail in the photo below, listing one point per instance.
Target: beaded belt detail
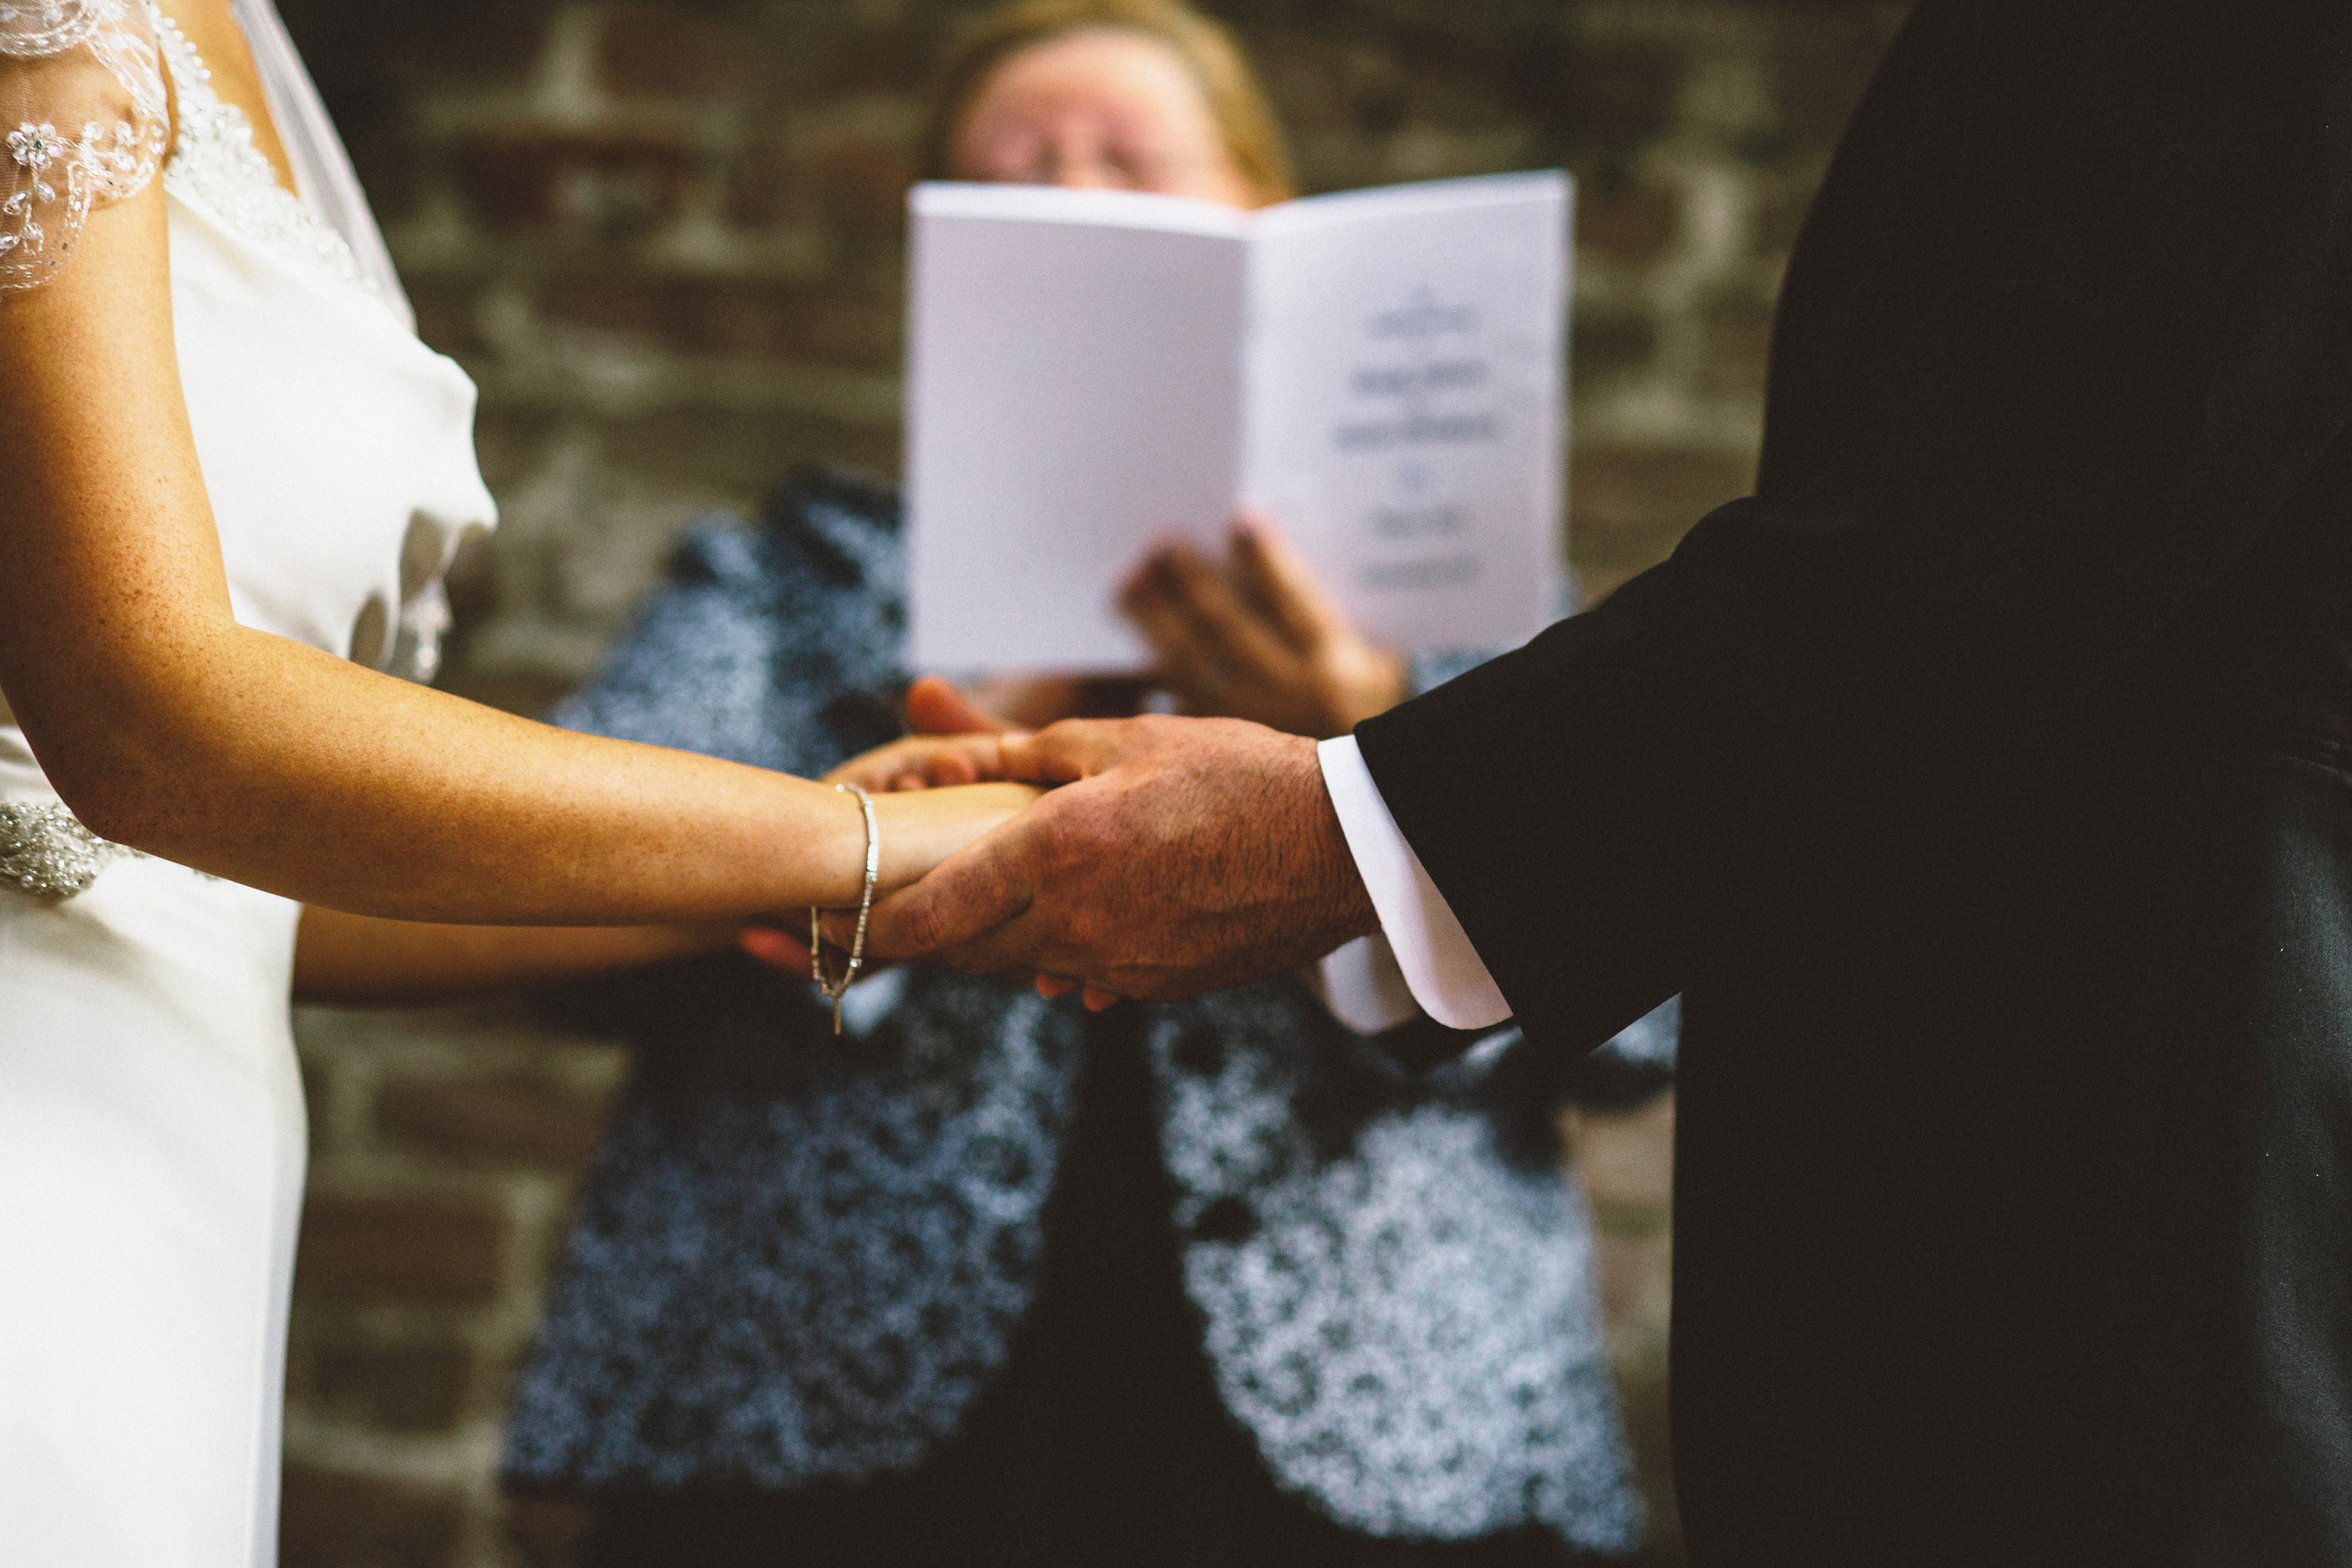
(45, 850)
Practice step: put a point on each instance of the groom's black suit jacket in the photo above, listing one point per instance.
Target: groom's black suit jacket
(1981, 782)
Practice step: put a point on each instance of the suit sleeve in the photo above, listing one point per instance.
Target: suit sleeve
(1592, 804)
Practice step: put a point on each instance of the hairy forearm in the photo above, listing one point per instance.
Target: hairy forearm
(1318, 896)
(357, 960)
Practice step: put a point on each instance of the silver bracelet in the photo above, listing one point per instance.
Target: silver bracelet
(832, 990)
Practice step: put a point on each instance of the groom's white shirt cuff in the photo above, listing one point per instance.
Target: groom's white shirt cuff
(1361, 985)
(1442, 971)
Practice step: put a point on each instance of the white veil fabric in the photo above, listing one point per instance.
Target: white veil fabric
(322, 169)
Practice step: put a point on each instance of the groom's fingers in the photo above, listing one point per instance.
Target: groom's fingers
(1053, 986)
(970, 894)
(1017, 946)
(1062, 753)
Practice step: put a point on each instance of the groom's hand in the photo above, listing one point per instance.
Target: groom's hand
(1181, 856)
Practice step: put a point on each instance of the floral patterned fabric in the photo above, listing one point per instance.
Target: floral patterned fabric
(800, 1258)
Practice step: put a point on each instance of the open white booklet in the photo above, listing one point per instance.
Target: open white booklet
(1381, 370)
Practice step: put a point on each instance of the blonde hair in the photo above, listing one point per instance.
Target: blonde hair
(1236, 103)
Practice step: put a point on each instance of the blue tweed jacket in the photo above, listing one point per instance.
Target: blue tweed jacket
(800, 1256)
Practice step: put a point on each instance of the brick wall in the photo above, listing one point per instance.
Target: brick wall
(667, 241)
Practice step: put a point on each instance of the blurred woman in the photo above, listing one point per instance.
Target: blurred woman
(994, 1280)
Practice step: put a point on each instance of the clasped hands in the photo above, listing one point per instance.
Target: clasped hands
(1169, 855)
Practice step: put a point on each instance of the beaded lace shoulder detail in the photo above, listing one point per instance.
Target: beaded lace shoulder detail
(216, 164)
(82, 101)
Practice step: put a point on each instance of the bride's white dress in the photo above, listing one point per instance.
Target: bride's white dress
(151, 1113)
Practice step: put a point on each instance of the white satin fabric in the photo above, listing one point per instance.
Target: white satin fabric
(152, 1137)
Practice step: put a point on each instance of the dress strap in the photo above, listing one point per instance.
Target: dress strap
(216, 165)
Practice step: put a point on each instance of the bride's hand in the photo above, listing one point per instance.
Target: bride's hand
(955, 742)
(922, 762)
(920, 828)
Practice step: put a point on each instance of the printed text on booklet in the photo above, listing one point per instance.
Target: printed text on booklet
(1381, 370)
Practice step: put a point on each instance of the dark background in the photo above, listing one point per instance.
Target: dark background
(667, 242)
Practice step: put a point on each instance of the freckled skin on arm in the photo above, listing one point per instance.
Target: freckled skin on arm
(168, 727)
(359, 960)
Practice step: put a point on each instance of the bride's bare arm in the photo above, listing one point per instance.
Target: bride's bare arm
(361, 960)
(358, 960)
(166, 726)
